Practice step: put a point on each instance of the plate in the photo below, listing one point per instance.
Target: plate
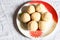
(47, 5)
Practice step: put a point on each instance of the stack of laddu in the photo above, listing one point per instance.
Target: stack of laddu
(37, 17)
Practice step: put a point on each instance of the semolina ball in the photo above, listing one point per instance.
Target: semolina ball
(31, 9)
(25, 17)
(41, 8)
(32, 26)
(44, 26)
(36, 16)
(47, 16)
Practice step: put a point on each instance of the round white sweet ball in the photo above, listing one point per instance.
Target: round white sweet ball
(36, 16)
(25, 17)
(32, 26)
(31, 9)
(44, 26)
(47, 16)
(41, 8)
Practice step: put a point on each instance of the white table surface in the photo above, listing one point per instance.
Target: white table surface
(7, 28)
